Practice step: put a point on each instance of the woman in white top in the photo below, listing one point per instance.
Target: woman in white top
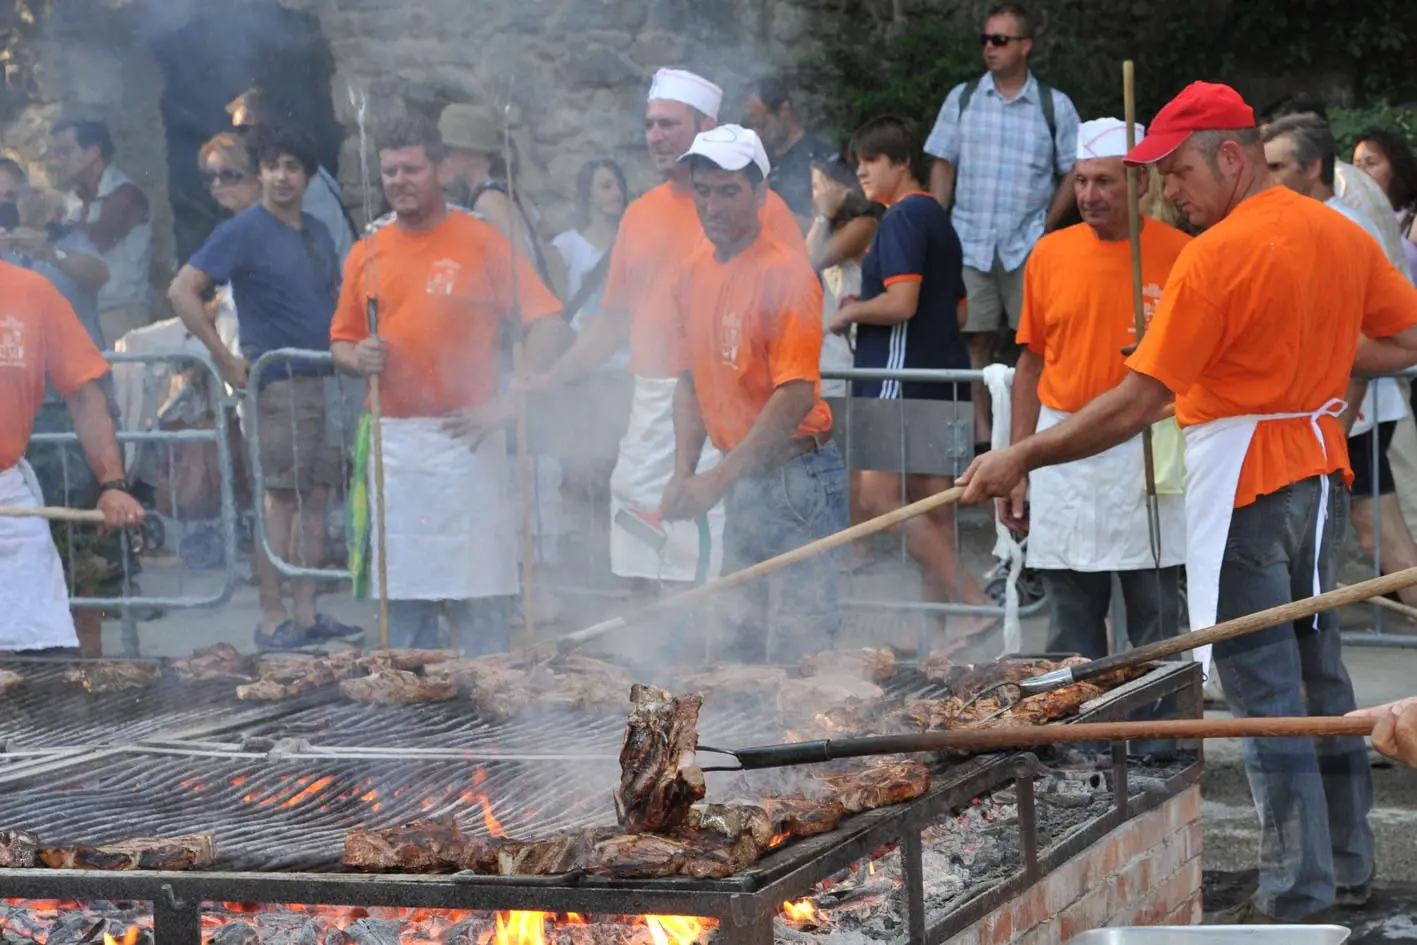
(601, 199)
(841, 231)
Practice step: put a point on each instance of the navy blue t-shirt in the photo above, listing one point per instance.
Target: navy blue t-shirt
(285, 281)
(915, 240)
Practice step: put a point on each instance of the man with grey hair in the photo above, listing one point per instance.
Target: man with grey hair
(1257, 353)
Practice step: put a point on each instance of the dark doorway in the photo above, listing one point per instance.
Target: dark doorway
(224, 49)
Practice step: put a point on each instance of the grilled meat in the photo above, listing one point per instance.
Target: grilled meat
(108, 676)
(874, 664)
(220, 661)
(550, 857)
(658, 778)
(266, 690)
(397, 687)
(9, 680)
(806, 696)
(638, 856)
(17, 849)
(736, 680)
(803, 816)
(587, 684)
(716, 859)
(425, 846)
(498, 685)
(194, 852)
(731, 821)
(289, 676)
(405, 659)
(880, 785)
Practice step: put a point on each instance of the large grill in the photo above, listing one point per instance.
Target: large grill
(280, 784)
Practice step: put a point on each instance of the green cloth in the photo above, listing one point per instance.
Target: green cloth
(357, 520)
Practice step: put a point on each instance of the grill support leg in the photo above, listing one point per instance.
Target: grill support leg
(176, 921)
(912, 873)
(757, 932)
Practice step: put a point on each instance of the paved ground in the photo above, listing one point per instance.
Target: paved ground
(1380, 675)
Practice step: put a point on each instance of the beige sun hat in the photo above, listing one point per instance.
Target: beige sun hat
(475, 128)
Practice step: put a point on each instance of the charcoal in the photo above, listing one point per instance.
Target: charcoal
(638, 856)
(468, 932)
(426, 846)
(17, 849)
(196, 851)
(397, 687)
(880, 785)
(108, 676)
(873, 664)
(370, 931)
(9, 680)
(236, 933)
(76, 928)
(658, 778)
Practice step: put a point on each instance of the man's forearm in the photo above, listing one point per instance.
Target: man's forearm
(1383, 356)
(598, 341)
(776, 425)
(689, 429)
(93, 422)
(1025, 398)
(942, 181)
(1063, 200)
(346, 361)
(1112, 418)
(91, 272)
(1357, 390)
(546, 340)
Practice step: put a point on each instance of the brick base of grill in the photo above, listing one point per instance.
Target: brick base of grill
(1145, 872)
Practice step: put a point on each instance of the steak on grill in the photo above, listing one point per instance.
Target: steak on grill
(638, 856)
(498, 685)
(17, 849)
(736, 679)
(797, 697)
(140, 853)
(289, 676)
(111, 676)
(405, 659)
(874, 664)
(397, 687)
(880, 785)
(803, 816)
(731, 821)
(220, 661)
(549, 857)
(659, 780)
(425, 846)
(718, 859)
(9, 680)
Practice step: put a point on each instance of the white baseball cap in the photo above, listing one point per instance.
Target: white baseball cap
(731, 147)
(1105, 138)
(680, 85)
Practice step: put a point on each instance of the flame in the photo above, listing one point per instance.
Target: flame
(778, 839)
(130, 937)
(575, 918)
(314, 788)
(800, 911)
(520, 928)
(674, 929)
(871, 867)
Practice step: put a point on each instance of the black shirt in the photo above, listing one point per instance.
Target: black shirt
(791, 173)
(915, 240)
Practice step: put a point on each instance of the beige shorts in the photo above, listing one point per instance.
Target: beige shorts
(294, 449)
(991, 296)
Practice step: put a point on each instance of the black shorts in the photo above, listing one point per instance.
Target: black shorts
(1360, 457)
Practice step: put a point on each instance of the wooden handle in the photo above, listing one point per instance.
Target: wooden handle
(1409, 612)
(54, 513)
(1240, 626)
(986, 739)
(376, 413)
(844, 537)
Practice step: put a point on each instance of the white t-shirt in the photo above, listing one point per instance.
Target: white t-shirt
(837, 355)
(1384, 401)
(581, 256)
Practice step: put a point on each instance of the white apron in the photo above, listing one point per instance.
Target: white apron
(1090, 514)
(450, 519)
(1215, 455)
(644, 467)
(33, 597)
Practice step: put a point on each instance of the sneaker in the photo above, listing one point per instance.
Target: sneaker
(1353, 897)
(288, 638)
(330, 630)
(1247, 913)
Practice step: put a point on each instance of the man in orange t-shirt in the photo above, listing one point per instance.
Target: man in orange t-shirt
(444, 283)
(658, 234)
(747, 353)
(41, 339)
(1088, 519)
(1263, 321)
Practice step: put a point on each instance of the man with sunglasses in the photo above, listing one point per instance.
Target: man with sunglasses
(1003, 147)
(285, 275)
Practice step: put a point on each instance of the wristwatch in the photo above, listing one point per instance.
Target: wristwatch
(116, 485)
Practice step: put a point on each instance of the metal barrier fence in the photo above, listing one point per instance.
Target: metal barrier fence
(154, 450)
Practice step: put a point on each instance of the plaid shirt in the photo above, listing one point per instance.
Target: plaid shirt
(1004, 178)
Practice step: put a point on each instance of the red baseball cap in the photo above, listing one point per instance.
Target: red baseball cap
(1201, 106)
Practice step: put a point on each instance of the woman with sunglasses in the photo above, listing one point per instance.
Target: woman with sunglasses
(225, 165)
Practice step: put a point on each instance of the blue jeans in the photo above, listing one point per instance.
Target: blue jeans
(793, 612)
(1312, 795)
(484, 624)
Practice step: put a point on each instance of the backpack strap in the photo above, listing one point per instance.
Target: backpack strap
(968, 93)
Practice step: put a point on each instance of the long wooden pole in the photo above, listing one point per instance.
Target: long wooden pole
(54, 514)
(525, 472)
(764, 568)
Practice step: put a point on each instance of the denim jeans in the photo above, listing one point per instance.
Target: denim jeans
(1078, 602)
(1312, 795)
(794, 612)
(484, 624)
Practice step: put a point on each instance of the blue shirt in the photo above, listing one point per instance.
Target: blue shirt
(285, 281)
(1006, 167)
(914, 241)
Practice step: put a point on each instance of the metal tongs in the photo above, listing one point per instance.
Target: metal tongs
(1026, 736)
(1228, 630)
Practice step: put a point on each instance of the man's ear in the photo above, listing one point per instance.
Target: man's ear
(1315, 170)
(1143, 179)
(760, 193)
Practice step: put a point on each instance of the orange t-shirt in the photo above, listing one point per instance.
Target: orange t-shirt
(1262, 315)
(658, 234)
(40, 337)
(443, 295)
(1077, 307)
(745, 327)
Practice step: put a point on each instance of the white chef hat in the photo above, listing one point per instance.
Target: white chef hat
(679, 85)
(1104, 138)
(731, 147)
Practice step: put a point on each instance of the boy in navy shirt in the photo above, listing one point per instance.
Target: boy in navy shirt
(909, 316)
(285, 278)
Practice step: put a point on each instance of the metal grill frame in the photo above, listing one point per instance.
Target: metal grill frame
(745, 905)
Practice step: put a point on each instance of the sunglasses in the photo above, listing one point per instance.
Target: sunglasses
(223, 176)
(998, 40)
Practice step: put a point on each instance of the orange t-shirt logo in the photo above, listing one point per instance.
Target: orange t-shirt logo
(443, 277)
(730, 336)
(12, 342)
